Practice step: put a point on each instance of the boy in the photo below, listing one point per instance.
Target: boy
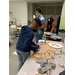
(25, 44)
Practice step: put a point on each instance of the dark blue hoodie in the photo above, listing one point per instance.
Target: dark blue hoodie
(25, 43)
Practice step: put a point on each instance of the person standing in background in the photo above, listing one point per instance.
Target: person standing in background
(40, 31)
(50, 25)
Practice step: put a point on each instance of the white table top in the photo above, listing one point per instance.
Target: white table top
(30, 66)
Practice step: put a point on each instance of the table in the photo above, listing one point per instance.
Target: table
(46, 50)
(54, 38)
(30, 66)
(17, 28)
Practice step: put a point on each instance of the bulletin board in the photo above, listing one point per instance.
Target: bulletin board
(49, 52)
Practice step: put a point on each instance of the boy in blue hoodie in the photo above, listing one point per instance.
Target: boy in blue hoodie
(24, 43)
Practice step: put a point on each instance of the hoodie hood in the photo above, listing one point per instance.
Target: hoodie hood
(26, 29)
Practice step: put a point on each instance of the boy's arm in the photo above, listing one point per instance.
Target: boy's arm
(33, 43)
(28, 42)
(43, 26)
(43, 23)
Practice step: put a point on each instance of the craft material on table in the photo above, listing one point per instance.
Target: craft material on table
(55, 45)
(53, 35)
(52, 57)
(62, 65)
(48, 33)
(41, 60)
(46, 66)
(49, 54)
(40, 46)
(45, 41)
(53, 66)
(42, 41)
(59, 52)
(41, 52)
(44, 52)
(38, 56)
(37, 74)
(45, 69)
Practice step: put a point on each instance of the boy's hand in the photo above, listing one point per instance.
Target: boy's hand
(37, 45)
(35, 48)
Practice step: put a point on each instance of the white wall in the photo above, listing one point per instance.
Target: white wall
(19, 11)
(30, 11)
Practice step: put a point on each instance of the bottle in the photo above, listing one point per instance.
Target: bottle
(45, 40)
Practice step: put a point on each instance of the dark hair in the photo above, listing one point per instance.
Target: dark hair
(51, 20)
(38, 21)
(38, 9)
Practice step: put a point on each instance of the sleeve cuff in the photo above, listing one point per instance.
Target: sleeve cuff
(34, 49)
(33, 43)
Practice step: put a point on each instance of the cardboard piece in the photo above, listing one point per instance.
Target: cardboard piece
(48, 49)
(48, 33)
(53, 37)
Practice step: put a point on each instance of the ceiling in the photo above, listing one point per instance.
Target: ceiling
(39, 1)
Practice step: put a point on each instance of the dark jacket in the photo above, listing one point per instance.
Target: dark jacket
(25, 43)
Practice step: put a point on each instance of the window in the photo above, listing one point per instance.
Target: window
(43, 9)
(50, 10)
(58, 10)
(10, 17)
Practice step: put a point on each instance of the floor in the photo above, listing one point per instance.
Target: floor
(13, 59)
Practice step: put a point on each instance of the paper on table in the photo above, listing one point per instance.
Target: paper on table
(41, 40)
